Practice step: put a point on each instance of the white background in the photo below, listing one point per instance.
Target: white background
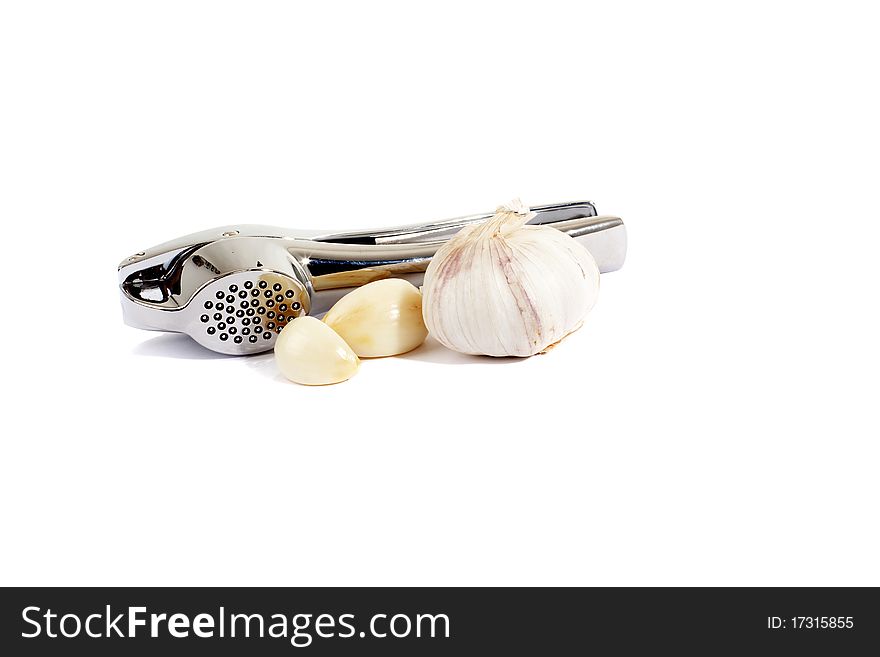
(714, 422)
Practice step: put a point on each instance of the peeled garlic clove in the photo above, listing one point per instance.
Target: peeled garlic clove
(502, 288)
(383, 318)
(311, 353)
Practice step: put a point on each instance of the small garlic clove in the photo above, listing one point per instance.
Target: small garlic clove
(383, 318)
(311, 353)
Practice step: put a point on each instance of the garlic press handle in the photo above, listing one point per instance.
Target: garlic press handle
(438, 231)
(336, 264)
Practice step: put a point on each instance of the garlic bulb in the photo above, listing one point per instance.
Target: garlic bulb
(310, 352)
(383, 318)
(502, 288)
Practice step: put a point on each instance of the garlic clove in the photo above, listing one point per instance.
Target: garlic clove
(311, 353)
(383, 318)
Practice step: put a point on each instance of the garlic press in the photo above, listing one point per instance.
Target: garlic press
(233, 288)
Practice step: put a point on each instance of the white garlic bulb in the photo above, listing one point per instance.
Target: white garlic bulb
(502, 288)
(311, 353)
(382, 318)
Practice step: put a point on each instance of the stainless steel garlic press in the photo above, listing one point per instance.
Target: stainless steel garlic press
(233, 288)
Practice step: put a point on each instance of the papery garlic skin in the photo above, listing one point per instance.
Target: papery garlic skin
(383, 318)
(311, 353)
(502, 288)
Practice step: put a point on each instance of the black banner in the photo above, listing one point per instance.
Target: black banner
(444, 621)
